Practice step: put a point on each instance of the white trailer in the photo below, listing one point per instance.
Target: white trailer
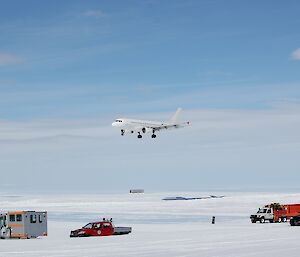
(23, 224)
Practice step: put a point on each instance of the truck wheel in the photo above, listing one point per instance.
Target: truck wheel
(279, 220)
(253, 221)
(284, 219)
(271, 221)
(262, 220)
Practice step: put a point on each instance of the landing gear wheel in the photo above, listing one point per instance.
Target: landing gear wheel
(153, 136)
(139, 136)
(122, 132)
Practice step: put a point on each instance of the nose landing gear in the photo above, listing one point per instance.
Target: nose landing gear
(122, 132)
(139, 135)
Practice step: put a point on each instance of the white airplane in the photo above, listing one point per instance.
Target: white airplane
(144, 126)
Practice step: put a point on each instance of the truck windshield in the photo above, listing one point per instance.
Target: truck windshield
(89, 225)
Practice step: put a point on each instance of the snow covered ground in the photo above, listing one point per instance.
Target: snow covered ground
(160, 228)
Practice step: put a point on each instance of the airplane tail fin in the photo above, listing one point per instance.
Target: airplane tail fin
(175, 118)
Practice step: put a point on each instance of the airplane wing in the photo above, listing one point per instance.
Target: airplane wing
(156, 127)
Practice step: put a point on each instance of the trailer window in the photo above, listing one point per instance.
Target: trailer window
(12, 217)
(19, 217)
(32, 218)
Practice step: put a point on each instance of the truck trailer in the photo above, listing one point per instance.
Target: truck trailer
(23, 224)
(275, 212)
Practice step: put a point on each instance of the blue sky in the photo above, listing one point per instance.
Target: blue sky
(87, 58)
(68, 68)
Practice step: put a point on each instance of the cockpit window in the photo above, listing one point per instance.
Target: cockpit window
(118, 121)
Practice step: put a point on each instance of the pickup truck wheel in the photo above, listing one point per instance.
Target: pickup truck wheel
(262, 220)
(253, 221)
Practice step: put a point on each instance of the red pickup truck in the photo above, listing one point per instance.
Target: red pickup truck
(100, 228)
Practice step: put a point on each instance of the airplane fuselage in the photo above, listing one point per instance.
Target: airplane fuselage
(130, 126)
(132, 123)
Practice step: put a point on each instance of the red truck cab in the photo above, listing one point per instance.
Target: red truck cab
(100, 228)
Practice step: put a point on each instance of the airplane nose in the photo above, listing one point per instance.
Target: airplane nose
(113, 124)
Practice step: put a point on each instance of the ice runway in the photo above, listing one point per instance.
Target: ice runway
(180, 228)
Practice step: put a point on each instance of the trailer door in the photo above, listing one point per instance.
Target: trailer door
(2, 222)
(2, 227)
